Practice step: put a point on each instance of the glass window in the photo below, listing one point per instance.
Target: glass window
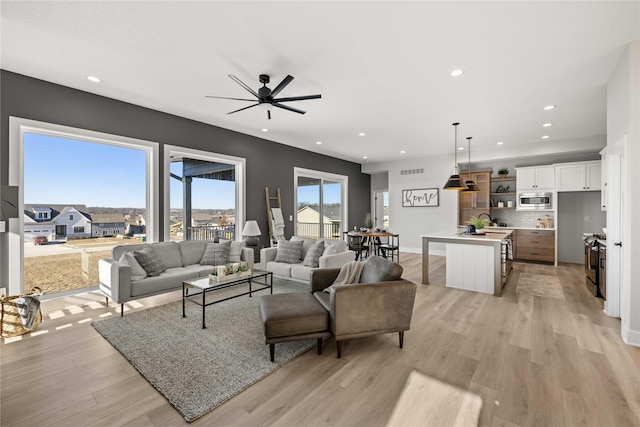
(115, 173)
(320, 204)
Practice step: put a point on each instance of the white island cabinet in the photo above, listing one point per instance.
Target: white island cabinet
(479, 263)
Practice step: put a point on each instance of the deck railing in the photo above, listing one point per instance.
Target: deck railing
(312, 230)
(209, 232)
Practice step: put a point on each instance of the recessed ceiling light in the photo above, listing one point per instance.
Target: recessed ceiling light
(364, 157)
(457, 72)
(549, 107)
(460, 148)
(361, 134)
(402, 151)
(319, 142)
(499, 143)
(94, 79)
(546, 125)
(265, 130)
(545, 137)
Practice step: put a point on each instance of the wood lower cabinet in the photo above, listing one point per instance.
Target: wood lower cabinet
(536, 245)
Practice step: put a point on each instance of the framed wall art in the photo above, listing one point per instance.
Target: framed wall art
(420, 197)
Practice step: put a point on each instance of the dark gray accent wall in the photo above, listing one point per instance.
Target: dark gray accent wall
(269, 164)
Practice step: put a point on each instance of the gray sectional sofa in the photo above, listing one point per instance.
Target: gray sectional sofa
(182, 262)
(338, 256)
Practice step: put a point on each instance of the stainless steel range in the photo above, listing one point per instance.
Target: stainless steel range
(593, 244)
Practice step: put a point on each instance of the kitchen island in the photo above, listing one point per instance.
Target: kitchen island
(475, 262)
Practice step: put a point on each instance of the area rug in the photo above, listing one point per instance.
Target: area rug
(198, 369)
(540, 285)
(425, 401)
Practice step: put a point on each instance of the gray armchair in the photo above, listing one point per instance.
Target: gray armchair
(365, 309)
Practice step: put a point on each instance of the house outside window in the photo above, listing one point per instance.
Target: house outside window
(70, 217)
(78, 229)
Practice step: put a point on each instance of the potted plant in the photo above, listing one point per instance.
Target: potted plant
(503, 173)
(478, 223)
(368, 222)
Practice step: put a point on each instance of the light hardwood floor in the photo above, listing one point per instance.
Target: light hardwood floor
(533, 360)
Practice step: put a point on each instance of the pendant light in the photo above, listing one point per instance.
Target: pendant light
(471, 186)
(454, 182)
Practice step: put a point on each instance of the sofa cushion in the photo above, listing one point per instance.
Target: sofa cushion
(201, 270)
(306, 244)
(170, 279)
(329, 250)
(300, 272)
(279, 268)
(289, 252)
(235, 252)
(150, 261)
(379, 269)
(339, 245)
(192, 251)
(312, 259)
(169, 253)
(137, 272)
(216, 253)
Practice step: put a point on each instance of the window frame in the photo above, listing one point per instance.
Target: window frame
(17, 128)
(240, 163)
(344, 188)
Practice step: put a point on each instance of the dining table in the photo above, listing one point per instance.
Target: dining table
(371, 237)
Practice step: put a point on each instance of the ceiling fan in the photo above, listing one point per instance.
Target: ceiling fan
(266, 97)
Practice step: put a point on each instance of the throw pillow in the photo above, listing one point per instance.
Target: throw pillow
(329, 250)
(137, 272)
(289, 252)
(150, 261)
(379, 269)
(216, 253)
(313, 255)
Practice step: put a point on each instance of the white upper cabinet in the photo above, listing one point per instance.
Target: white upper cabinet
(535, 178)
(579, 176)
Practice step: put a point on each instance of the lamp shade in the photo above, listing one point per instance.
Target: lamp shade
(471, 186)
(251, 228)
(454, 182)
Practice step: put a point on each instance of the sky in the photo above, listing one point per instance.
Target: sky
(68, 171)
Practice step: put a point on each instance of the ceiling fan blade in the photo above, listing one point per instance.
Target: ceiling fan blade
(240, 109)
(297, 98)
(237, 80)
(281, 85)
(235, 99)
(286, 107)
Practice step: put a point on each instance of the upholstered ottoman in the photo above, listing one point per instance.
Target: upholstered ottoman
(293, 316)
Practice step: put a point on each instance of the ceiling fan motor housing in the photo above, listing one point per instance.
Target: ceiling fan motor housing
(264, 78)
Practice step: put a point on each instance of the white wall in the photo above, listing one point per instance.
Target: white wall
(623, 117)
(410, 223)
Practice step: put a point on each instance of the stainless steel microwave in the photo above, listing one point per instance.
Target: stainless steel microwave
(535, 200)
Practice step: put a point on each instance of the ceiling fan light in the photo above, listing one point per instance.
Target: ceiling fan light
(265, 106)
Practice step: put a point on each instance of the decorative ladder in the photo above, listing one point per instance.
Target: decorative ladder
(274, 215)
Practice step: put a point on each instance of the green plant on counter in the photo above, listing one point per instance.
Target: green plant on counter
(503, 172)
(368, 222)
(479, 223)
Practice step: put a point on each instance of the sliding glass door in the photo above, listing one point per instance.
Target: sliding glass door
(320, 204)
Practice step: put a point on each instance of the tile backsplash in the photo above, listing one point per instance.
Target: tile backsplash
(515, 218)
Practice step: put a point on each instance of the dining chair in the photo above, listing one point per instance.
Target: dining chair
(389, 248)
(359, 244)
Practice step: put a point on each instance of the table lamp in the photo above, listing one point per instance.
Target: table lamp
(251, 232)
